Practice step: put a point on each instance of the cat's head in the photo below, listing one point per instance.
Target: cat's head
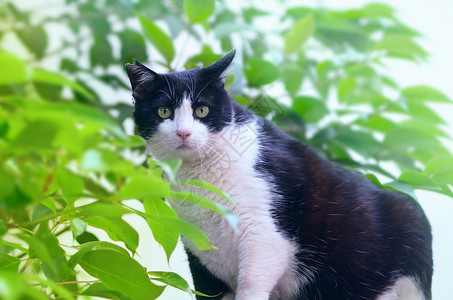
(180, 113)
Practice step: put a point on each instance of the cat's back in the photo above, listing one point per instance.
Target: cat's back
(359, 238)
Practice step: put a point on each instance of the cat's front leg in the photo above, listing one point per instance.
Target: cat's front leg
(265, 255)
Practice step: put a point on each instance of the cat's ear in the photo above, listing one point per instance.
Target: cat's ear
(219, 68)
(139, 73)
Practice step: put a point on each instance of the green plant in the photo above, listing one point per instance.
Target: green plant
(67, 164)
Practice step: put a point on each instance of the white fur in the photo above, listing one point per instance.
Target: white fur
(256, 261)
(405, 288)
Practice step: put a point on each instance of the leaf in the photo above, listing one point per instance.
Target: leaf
(94, 246)
(117, 229)
(170, 167)
(311, 109)
(34, 38)
(174, 280)
(101, 53)
(78, 226)
(39, 250)
(260, 72)
(419, 180)
(292, 76)
(36, 136)
(86, 237)
(142, 187)
(45, 76)
(403, 139)
(441, 169)
(401, 187)
(71, 185)
(199, 10)
(111, 266)
(97, 289)
(158, 38)
(208, 187)
(102, 209)
(187, 229)
(166, 237)
(220, 209)
(61, 272)
(400, 46)
(8, 263)
(423, 93)
(299, 33)
(133, 46)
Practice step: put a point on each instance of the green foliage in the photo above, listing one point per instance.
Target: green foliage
(68, 169)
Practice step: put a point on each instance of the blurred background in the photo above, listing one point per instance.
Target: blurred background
(367, 84)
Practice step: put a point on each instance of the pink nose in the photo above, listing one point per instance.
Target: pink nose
(183, 134)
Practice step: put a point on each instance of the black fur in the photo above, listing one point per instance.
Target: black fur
(358, 238)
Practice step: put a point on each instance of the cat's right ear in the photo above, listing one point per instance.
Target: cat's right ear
(139, 74)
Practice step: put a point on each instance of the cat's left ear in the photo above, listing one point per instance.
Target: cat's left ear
(139, 74)
(219, 68)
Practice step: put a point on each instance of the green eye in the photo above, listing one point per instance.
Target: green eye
(202, 111)
(164, 112)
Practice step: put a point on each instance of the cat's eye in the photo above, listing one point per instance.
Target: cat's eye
(202, 111)
(164, 112)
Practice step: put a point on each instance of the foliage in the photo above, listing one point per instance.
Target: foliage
(67, 165)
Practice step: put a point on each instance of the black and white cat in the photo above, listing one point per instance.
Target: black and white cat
(307, 229)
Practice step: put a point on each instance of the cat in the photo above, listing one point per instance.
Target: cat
(307, 227)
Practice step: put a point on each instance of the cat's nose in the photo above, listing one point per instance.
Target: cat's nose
(183, 134)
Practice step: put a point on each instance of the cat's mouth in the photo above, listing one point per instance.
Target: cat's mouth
(183, 147)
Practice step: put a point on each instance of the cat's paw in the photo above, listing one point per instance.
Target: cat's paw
(228, 296)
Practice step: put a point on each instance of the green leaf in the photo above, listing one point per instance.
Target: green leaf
(133, 46)
(170, 167)
(35, 39)
(97, 289)
(8, 263)
(39, 250)
(299, 33)
(141, 187)
(110, 267)
(400, 46)
(174, 280)
(208, 187)
(101, 53)
(158, 38)
(36, 136)
(419, 180)
(441, 169)
(117, 229)
(404, 139)
(260, 72)
(199, 10)
(78, 226)
(311, 109)
(187, 229)
(166, 237)
(86, 237)
(18, 71)
(107, 210)
(45, 76)
(401, 187)
(423, 93)
(292, 76)
(71, 185)
(61, 272)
